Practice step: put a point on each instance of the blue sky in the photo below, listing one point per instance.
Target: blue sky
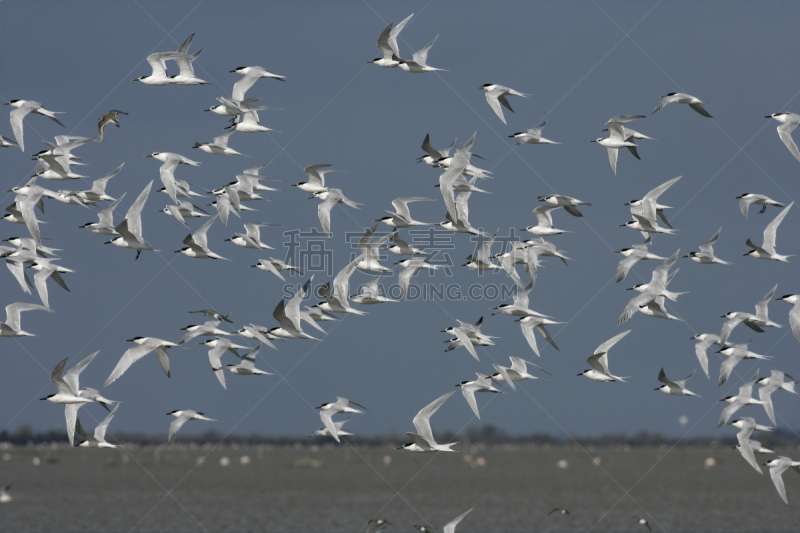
(581, 62)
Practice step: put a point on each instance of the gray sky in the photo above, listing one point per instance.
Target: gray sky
(582, 62)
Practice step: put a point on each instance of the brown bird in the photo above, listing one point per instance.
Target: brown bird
(105, 120)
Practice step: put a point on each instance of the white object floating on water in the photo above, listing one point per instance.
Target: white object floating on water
(562, 464)
(244, 460)
(710, 463)
(36, 461)
(224, 461)
(387, 460)
(596, 461)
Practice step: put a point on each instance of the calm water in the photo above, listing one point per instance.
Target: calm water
(312, 490)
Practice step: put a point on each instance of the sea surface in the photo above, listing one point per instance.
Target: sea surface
(309, 489)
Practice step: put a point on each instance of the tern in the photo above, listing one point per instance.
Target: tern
(22, 108)
(341, 405)
(706, 254)
(794, 314)
(98, 191)
(616, 139)
(544, 225)
(98, 440)
(496, 95)
(371, 294)
(337, 301)
(450, 527)
(130, 229)
(214, 315)
(632, 255)
(520, 305)
(289, 316)
(402, 218)
(677, 387)
(181, 417)
(250, 76)
(186, 75)
(521, 253)
(469, 388)
(419, 60)
(316, 178)
(217, 348)
(401, 247)
(11, 327)
(208, 329)
(649, 208)
(158, 63)
(387, 42)
(169, 162)
(681, 98)
(533, 136)
(746, 426)
(518, 371)
(218, 146)
(182, 210)
(145, 346)
(434, 155)
(423, 440)
(599, 361)
(68, 391)
(789, 122)
(776, 380)
(570, 204)
(105, 120)
(482, 260)
(337, 424)
(759, 199)
(247, 366)
(776, 469)
(767, 249)
(755, 322)
(735, 353)
(330, 198)
(370, 253)
(642, 522)
(529, 323)
(650, 291)
(275, 266)
(252, 237)
(410, 268)
(467, 334)
(700, 349)
(197, 243)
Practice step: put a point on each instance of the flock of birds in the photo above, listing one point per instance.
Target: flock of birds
(457, 182)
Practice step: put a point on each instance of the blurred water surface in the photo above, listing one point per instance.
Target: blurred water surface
(311, 489)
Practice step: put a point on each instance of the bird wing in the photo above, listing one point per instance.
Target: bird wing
(450, 527)
(134, 214)
(469, 394)
(761, 307)
(13, 311)
(326, 416)
(651, 198)
(610, 342)
(128, 358)
(613, 154)
(176, 425)
(392, 37)
(785, 133)
(422, 422)
(708, 246)
(72, 375)
(71, 414)
(492, 97)
(462, 336)
(100, 430)
(420, 57)
(771, 232)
